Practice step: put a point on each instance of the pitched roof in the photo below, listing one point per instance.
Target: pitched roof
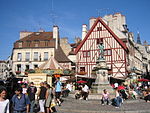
(43, 39)
(38, 36)
(109, 30)
(51, 64)
(60, 55)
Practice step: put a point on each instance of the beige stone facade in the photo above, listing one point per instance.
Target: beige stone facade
(35, 48)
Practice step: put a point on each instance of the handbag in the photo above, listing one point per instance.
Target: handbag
(53, 103)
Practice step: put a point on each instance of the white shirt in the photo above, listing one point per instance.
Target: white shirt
(3, 106)
(69, 87)
(117, 94)
(115, 85)
(85, 88)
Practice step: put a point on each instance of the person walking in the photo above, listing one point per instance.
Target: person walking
(41, 97)
(4, 103)
(58, 90)
(20, 102)
(48, 98)
(31, 91)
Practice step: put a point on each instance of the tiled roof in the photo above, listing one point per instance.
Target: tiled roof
(74, 45)
(38, 36)
(60, 56)
(2, 61)
(36, 39)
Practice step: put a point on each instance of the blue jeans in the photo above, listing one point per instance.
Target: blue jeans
(19, 111)
(32, 104)
(118, 101)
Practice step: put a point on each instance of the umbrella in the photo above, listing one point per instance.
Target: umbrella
(143, 80)
(81, 81)
(121, 87)
(63, 79)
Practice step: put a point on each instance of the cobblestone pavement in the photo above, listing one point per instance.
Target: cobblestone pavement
(71, 105)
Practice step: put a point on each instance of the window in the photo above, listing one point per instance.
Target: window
(36, 43)
(28, 43)
(45, 56)
(20, 44)
(107, 52)
(19, 57)
(27, 56)
(35, 56)
(99, 28)
(46, 43)
(27, 67)
(82, 69)
(99, 40)
(86, 53)
(18, 67)
(35, 66)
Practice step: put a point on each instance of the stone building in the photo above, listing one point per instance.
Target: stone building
(35, 48)
(3, 67)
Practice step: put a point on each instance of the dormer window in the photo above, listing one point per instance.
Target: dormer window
(46, 43)
(28, 43)
(20, 44)
(36, 43)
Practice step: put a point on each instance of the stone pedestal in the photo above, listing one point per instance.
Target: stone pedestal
(101, 81)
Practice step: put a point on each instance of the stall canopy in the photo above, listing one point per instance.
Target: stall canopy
(143, 80)
(51, 64)
(81, 81)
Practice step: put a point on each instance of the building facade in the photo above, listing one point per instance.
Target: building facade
(115, 51)
(123, 55)
(35, 48)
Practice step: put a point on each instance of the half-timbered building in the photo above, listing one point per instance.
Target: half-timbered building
(115, 51)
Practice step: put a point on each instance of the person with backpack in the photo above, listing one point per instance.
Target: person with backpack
(31, 91)
(20, 102)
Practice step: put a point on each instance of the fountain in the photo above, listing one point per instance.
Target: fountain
(101, 69)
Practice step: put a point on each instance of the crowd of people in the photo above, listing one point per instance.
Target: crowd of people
(124, 92)
(30, 99)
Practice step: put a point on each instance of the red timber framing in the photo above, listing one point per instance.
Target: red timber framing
(115, 50)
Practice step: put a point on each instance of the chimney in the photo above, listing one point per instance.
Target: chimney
(41, 30)
(56, 35)
(84, 31)
(24, 34)
(92, 21)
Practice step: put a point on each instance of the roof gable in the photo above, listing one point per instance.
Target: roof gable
(109, 30)
(51, 64)
(60, 56)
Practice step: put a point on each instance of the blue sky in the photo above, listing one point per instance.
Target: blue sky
(31, 15)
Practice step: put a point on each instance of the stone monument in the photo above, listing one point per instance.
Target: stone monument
(101, 69)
